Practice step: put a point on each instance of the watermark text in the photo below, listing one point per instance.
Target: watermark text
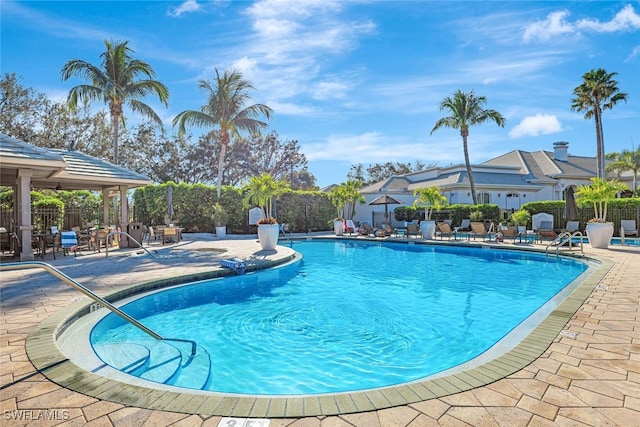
(37, 414)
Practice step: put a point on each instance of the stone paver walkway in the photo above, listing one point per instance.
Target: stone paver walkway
(589, 375)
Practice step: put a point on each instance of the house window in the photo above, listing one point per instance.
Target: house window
(484, 198)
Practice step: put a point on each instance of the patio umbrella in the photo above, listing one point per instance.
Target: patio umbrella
(570, 207)
(170, 201)
(386, 201)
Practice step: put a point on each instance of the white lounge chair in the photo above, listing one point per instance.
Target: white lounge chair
(628, 228)
(350, 227)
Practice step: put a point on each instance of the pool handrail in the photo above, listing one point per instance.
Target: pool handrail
(106, 249)
(558, 241)
(69, 281)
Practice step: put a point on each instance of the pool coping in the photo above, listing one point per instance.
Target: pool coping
(45, 355)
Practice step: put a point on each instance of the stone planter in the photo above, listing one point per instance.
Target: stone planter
(428, 229)
(599, 234)
(268, 236)
(338, 228)
(221, 231)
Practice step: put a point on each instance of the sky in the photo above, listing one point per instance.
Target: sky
(358, 81)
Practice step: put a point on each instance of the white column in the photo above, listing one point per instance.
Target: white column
(124, 214)
(105, 208)
(23, 205)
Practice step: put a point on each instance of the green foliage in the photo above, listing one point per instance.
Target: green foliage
(429, 199)
(521, 217)
(543, 206)
(220, 216)
(305, 210)
(598, 194)
(261, 191)
(476, 216)
(407, 213)
(344, 198)
(461, 211)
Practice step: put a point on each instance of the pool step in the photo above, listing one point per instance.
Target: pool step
(158, 361)
(123, 357)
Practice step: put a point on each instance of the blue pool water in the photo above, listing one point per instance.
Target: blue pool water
(349, 316)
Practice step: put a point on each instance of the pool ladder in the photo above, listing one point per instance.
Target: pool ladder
(69, 281)
(558, 241)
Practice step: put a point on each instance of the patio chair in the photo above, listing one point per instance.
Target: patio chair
(388, 230)
(51, 241)
(349, 227)
(444, 230)
(5, 241)
(479, 230)
(170, 235)
(572, 226)
(464, 225)
(509, 233)
(413, 230)
(365, 229)
(69, 242)
(100, 238)
(628, 228)
(546, 231)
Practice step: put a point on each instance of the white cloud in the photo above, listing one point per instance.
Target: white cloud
(554, 25)
(635, 52)
(292, 41)
(187, 6)
(557, 23)
(540, 124)
(625, 20)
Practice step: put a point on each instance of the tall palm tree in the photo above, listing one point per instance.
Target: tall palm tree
(226, 109)
(597, 92)
(626, 160)
(467, 110)
(117, 82)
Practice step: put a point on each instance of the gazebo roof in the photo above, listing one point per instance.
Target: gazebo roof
(63, 169)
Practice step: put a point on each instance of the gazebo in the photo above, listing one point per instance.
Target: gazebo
(24, 166)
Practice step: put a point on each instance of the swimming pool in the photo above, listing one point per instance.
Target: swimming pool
(350, 316)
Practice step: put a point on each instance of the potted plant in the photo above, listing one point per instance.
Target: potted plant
(521, 218)
(220, 218)
(428, 199)
(261, 191)
(599, 231)
(344, 198)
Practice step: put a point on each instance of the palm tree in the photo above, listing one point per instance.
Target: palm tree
(345, 196)
(226, 108)
(116, 82)
(467, 110)
(597, 92)
(627, 160)
(261, 191)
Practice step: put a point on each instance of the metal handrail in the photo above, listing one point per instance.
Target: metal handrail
(558, 241)
(68, 280)
(129, 236)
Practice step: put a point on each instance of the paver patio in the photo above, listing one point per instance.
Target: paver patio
(589, 375)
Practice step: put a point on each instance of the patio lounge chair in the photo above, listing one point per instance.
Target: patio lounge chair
(478, 230)
(444, 230)
(509, 233)
(628, 228)
(388, 230)
(464, 225)
(365, 229)
(545, 230)
(413, 230)
(572, 226)
(349, 227)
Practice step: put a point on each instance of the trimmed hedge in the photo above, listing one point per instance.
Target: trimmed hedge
(193, 208)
